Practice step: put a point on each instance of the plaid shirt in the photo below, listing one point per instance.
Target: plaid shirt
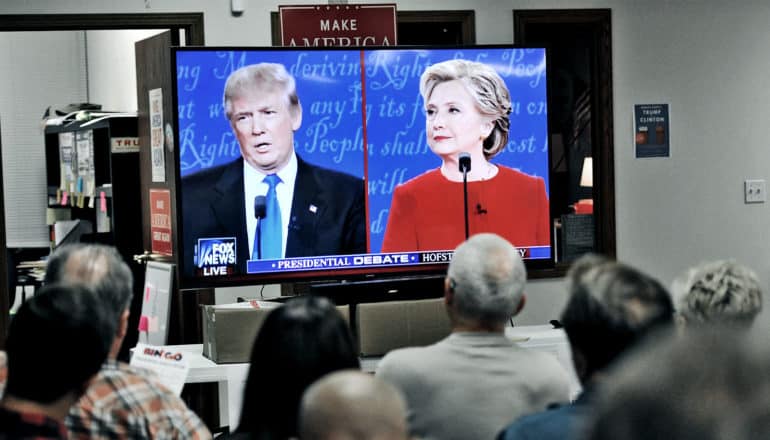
(125, 402)
(16, 425)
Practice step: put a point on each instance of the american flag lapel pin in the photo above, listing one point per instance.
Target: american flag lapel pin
(313, 209)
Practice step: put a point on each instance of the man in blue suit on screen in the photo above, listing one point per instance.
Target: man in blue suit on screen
(301, 209)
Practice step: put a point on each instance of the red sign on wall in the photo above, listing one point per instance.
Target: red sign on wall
(160, 221)
(338, 25)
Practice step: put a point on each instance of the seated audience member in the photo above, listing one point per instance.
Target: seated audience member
(723, 292)
(123, 401)
(298, 343)
(56, 344)
(470, 384)
(611, 307)
(352, 405)
(706, 384)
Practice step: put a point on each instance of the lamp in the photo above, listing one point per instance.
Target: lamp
(237, 7)
(587, 175)
(586, 206)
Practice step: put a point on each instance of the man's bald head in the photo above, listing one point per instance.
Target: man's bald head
(351, 405)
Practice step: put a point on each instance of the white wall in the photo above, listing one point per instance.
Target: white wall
(42, 69)
(112, 67)
(707, 58)
(38, 70)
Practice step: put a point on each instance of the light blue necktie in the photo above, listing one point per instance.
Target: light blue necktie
(272, 230)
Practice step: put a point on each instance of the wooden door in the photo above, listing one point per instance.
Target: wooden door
(153, 72)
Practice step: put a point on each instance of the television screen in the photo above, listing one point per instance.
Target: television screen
(321, 163)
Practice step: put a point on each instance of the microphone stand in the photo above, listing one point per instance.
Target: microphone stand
(259, 213)
(465, 166)
(259, 238)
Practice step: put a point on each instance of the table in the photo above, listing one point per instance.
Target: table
(232, 377)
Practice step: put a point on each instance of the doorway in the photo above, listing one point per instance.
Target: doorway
(186, 27)
(581, 124)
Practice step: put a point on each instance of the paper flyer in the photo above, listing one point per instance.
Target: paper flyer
(66, 158)
(156, 136)
(85, 182)
(171, 367)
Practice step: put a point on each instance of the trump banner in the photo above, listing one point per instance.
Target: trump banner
(338, 25)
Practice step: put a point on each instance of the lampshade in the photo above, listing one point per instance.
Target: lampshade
(587, 176)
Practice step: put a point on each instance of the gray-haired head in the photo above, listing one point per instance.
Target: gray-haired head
(100, 268)
(611, 308)
(486, 278)
(350, 404)
(262, 76)
(487, 89)
(583, 265)
(723, 292)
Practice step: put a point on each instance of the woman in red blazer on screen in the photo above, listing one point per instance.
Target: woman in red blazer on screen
(467, 106)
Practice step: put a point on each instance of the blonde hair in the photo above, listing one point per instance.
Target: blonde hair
(721, 291)
(485, 86)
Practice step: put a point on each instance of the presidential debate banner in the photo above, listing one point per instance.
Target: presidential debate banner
(362, 113)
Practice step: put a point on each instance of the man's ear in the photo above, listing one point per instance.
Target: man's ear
(448, 292)
(123, 324)
(520, 307)
(580, 364)
(296, 116)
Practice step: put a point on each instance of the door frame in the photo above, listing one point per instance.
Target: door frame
(600, 22)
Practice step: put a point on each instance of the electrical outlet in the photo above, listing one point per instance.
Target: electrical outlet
(754, 191)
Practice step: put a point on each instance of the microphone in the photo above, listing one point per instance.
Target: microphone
(465, 166)
(260, 207)
(465, 162)
(260, 211)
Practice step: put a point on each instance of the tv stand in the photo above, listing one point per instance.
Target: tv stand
(402, 288)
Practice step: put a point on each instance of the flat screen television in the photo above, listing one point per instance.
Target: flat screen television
(362, 130)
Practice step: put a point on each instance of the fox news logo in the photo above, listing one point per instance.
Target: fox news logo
(216, 256)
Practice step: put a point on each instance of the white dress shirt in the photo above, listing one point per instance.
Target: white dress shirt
(254, 186)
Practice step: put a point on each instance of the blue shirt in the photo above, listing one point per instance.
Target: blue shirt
(559, 423)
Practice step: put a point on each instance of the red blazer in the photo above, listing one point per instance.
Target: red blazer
(427, 211)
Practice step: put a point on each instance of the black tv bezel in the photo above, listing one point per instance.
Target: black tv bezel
(353, 275)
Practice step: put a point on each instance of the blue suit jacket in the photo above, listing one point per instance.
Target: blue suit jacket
(213, 206)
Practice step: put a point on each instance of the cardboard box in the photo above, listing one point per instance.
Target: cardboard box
(229, 329)
(385, 326)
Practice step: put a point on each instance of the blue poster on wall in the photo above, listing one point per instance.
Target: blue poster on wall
(651, 130)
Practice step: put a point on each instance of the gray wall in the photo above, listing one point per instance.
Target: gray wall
(706, 58)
